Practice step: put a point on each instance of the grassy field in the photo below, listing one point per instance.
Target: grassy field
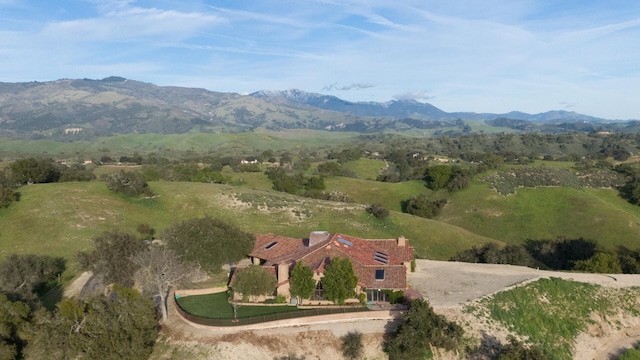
(546, 213)
(552, 312)
(368, 192)
(171, 144)
(60, 219)
(368, 169)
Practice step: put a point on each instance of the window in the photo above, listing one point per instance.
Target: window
(271, 245)
(380, 274)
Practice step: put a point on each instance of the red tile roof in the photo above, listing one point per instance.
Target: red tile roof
(275, 249)
(372, 252)
(285, 250)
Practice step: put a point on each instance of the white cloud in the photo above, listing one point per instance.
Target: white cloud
(414, 95)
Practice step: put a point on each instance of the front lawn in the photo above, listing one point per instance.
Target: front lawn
(216, 306)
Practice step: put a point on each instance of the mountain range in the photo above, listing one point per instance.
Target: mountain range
(86, 108)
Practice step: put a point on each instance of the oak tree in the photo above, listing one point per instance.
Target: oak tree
(208, 242)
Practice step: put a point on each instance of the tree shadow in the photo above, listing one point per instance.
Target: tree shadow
(489, 348)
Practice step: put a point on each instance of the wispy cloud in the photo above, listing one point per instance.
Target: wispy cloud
(353, 86)
(414, 95)
(490, 56)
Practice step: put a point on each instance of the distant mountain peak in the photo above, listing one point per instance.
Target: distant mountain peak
(295, 95)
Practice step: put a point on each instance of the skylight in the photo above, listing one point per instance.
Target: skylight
(381, 257)
(271, 245)
(348, 243)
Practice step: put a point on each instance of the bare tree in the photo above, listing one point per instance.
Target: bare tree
(160, 270)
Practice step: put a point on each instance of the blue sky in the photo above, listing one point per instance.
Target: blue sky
(481, 56)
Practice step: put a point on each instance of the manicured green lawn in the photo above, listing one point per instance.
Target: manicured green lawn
(216, 306)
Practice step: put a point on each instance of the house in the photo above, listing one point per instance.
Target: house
(249, 161)
(378, 264)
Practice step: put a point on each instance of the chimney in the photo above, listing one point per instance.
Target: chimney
(402, 241)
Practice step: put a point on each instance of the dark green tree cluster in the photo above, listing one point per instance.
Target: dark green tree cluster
(111, 257)
(254, 281)
(600, 262)
(8, 193)
(437, 177)
(34, 171)
(492, 253)
(14, 316)
(208, 242)
(329, 168)
(421, 327)
(295, 183)
(345, 155)
(122, 325)
(75, 172)
(25, 277)
(378, 210)
(561, 254)
(188, 171)
(339, 281)
(424, 207)
(40, 170)
(129, 183)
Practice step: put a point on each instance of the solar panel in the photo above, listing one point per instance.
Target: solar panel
(271, 245)
(348, 243)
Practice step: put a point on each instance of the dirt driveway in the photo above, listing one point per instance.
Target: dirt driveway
(449, 284)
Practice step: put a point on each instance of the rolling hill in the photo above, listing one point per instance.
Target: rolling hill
(85, 109)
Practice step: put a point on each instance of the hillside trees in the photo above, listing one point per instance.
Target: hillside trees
(561, 254)
(294, 183)
(122, 325)
(339, 281)
(254, 281)
(422, 206)
(492, 253)
(23, 276)
(14, 315)
(600, 262)
(378, 210)
(34, 170)
(111, 257)
(7, 195)
(438, 176)
(208, 242)
(301, 281)
(420, 328)
(130, 183)
(158, 270)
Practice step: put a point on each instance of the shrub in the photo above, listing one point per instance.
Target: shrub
(424, 207)
(352, 345)
(129, 183)
(378, 211)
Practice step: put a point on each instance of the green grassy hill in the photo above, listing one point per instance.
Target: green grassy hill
(546, 213)
(60, 219)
